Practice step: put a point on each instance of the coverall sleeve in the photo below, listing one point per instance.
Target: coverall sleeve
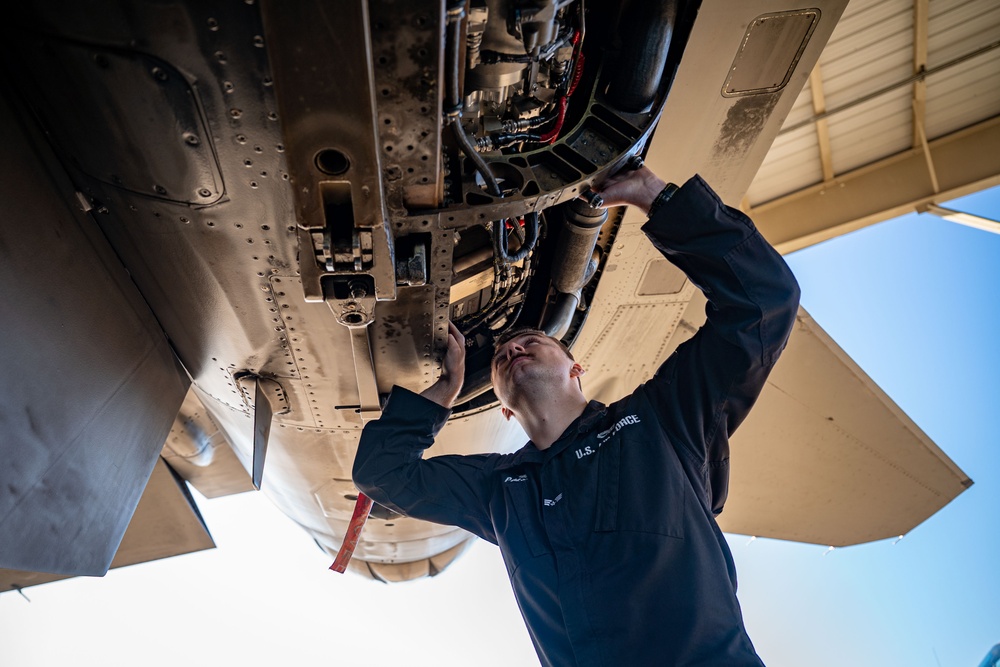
(706, 388)
(389, 467)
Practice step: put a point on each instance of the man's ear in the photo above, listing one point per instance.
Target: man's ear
(577, 371)
(507, 414)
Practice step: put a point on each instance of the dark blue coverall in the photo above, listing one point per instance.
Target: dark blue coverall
(609, 535)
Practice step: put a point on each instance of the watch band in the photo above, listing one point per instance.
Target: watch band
(662, 198)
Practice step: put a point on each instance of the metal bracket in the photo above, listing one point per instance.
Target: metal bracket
(269, 398)
(364, 369)
(412, 271)
(352, 301)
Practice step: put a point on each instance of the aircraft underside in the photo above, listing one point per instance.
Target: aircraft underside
(303, 195)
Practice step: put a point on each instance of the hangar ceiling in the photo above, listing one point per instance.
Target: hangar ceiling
(902, 112)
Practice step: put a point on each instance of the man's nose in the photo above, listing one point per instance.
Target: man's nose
(509, 350)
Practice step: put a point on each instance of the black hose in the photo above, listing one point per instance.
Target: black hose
(500, 239)
(645, 28)
(452, 96)
(453, 99)
(500, 140)
(560, 317)
(470, 152)
(488, 57)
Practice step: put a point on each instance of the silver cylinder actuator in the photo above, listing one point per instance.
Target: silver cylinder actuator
(575, 264)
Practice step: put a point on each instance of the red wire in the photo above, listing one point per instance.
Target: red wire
(577, 75)
(550, 136)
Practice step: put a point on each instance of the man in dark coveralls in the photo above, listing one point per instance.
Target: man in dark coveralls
(606, 518)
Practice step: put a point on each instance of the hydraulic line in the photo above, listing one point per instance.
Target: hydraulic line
(530, 237)
(453, 99)
(498, 140)
(553, 134)
(646, 27)
(502, 289)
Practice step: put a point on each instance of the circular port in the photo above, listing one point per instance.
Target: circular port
(332, 161)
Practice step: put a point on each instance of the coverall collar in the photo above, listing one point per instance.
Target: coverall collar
(587, 421)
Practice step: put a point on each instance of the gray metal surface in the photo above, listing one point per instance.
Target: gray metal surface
(90, 385)
(166, 523)
(197, 449)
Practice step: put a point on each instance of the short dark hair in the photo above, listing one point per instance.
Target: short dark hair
(523, 331)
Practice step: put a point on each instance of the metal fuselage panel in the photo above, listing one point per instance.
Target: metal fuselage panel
(166, 120)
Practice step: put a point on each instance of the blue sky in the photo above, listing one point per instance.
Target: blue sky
(911, 300)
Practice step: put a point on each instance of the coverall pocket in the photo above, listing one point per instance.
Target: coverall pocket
(640, 488)
(528, 520)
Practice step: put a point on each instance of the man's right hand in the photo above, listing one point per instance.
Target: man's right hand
(446, 389)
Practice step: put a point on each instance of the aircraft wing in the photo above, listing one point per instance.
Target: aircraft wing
(825, 456)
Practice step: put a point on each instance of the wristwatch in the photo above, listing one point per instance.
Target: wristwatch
(665, 194)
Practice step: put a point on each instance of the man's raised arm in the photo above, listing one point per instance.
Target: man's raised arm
(707, 387)
(389, 467)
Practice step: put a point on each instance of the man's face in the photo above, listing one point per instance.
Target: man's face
(526, 359)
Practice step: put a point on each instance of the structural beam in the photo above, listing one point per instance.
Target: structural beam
(822, 131)
(965, 162)
(967, 219)
(919, 67)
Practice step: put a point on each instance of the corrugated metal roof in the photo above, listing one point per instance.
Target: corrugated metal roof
(871, 53)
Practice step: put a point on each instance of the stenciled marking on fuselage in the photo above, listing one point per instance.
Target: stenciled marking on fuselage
(606, 434)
